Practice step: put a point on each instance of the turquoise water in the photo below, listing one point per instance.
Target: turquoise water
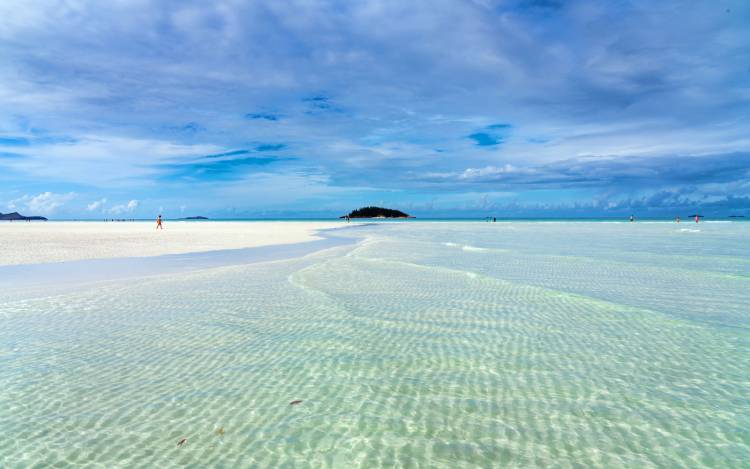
(424, 345)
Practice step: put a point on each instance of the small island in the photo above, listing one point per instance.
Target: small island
(15, 216)
(199, 217)
(376, 212)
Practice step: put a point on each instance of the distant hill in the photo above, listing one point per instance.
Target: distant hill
(17, 216)
(199, 217)
(377, 212)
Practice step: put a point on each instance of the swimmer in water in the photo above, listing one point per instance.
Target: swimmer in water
(697, 218)
(632, 218)
(677, 219)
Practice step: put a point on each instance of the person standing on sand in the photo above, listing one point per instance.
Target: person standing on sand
(158, 223)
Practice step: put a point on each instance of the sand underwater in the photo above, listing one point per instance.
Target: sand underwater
(513, 344)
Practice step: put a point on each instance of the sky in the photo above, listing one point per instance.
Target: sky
(300, 108)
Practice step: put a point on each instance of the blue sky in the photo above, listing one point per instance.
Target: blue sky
(312, 108)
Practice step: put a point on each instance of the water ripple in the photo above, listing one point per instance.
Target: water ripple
(403, 354)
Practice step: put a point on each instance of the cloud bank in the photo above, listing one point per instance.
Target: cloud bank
(559, 103)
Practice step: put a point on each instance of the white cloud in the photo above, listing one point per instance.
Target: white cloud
(96, 205)
(103, 161)
(124, 208)
(488, 171)
(44, 203)
(116, 119)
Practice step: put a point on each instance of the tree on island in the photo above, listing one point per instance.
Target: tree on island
(376, 212)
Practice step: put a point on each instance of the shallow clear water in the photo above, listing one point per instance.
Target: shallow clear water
(426, 345)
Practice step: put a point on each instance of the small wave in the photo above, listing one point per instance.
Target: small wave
(470, 248)
(690, 230)
(473, 248)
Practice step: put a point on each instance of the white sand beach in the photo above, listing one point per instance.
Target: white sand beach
(38, 242)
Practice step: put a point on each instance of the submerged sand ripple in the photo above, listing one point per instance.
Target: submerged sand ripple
(405, 352)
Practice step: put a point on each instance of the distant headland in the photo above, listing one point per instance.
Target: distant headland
(199, 217)
(376, 212)
(14, 216)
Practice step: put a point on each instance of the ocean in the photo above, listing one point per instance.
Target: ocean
(441, 344)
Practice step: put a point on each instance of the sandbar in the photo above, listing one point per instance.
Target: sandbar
(61, 241)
